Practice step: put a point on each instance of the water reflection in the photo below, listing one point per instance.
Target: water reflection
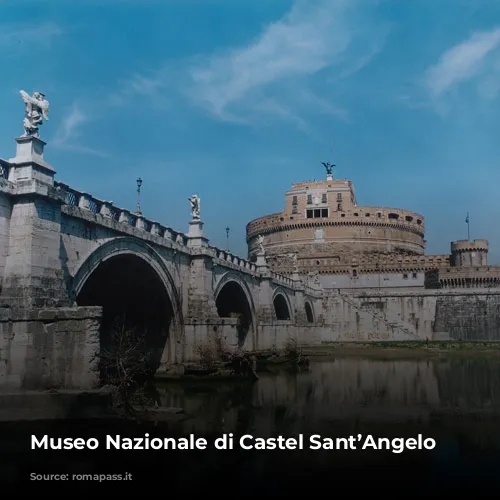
(362, 391)
(454, 401)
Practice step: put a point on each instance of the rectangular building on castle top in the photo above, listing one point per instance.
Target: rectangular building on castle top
(320, 199)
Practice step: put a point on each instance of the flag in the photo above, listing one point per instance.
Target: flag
(467, 219)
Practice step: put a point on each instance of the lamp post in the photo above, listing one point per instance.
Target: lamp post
(227, 238)
(138, 209)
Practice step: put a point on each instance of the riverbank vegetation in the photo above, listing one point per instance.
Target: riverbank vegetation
(403, 349)
(124, 371)
(218, 359)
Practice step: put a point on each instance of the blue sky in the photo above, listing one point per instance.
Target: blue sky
(236, 99)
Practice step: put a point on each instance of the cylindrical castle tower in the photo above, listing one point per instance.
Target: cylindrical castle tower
(465, 253)
(322, 225)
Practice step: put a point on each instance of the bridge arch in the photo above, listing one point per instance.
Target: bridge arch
(233, 298)
(282, 305)
(137, 292)
(309, 312)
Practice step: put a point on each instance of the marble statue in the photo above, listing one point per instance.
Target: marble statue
(195, 206)
(37, 110)
(260, 242)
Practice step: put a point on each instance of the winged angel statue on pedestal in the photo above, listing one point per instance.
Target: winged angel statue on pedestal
(37, 110)
(195, 206)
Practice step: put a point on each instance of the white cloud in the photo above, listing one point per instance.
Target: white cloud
(70, 130)
(275, 74)
(137, 85)
(462, 62)
(312, 37)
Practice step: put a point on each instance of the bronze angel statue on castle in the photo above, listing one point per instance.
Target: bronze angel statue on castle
(37, 110)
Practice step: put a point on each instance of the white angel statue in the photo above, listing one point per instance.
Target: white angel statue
(195, 206)
(37, 110)
(260, 242)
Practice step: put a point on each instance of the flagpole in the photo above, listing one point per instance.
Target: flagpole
(468, 227)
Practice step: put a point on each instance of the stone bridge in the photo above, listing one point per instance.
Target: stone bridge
(73, 266)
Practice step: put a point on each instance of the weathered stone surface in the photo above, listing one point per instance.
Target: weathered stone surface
(42, 349)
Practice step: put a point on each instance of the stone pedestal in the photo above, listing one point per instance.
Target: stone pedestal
(261, 260)
(196, 238)
(29, 164)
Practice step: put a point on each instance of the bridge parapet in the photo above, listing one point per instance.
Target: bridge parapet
(106, 209)
(240, 263)
(280, 279)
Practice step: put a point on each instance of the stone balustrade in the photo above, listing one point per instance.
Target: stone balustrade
(4, 170)
(239, 262)
(107, 209)
(282, 280)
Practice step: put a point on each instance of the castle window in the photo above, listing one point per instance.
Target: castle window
(367, 215)
(294, 210)
(323, 198)
(317, 213)
(409, 218)
(394, 216)
(294, 200)
(309, 199)
(339, 196)
(355, 214)
(419, 221)
(379, 214)
(354, 273)
(342, 215)
(414, 275)
(405, 276)
(339, 207)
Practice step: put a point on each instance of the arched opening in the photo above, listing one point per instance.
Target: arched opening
(309, 313)
(137, 314)
(232, 302)
(281, 308)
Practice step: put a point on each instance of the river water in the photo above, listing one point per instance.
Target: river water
(452, 400)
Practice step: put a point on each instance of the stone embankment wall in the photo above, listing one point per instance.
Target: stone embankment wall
(49, 348)
(398, 316)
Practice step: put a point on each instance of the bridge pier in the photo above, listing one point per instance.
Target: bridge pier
(32, 274)
(201, 309)
(265, 331)
(44, 343)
